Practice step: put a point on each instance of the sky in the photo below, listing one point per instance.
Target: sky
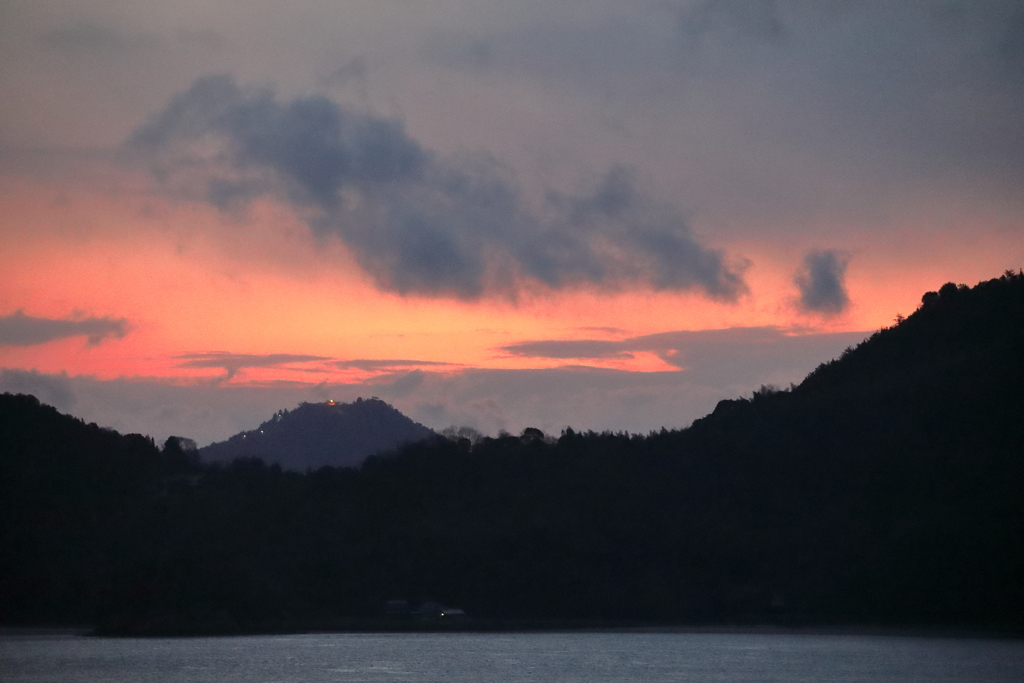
(604, 214)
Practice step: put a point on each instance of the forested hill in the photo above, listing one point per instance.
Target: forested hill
(885, 489)
(889, 482)
(68, 494)
(322, 434)
(952, 370)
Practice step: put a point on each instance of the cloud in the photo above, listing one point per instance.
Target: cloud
(18, 329)
(721, 358)
(820, 282)
(715, 364)
(233, 362)
(417, 223)
(566, 348)
(387, 364)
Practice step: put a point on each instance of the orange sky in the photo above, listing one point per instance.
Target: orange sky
(772, 135)
(191, 281)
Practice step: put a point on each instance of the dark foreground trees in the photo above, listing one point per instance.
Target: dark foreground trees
(884, 489)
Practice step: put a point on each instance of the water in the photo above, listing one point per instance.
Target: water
(465, 658)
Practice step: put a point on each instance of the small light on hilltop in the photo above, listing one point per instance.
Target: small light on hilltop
(330, 403)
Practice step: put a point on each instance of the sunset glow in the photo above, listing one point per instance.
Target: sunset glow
(512, 228)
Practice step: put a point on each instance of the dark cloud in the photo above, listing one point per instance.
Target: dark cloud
(231, 363)
(415, 222)
(311, 142)
(820, 282)
(18, 329)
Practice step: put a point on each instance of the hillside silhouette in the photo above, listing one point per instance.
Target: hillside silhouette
(68, 491)
(884, 489)
(322, 434)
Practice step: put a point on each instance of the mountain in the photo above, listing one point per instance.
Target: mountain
(883, 490)
(318, 434)
(887, 485)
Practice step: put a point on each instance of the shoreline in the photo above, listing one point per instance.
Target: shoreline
(520, 627)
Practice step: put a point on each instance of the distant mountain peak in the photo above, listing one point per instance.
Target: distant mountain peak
(330, 433)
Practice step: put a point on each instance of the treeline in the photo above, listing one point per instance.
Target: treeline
(72, 496)
(884, 489)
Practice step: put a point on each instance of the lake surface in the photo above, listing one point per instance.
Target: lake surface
(465, 658)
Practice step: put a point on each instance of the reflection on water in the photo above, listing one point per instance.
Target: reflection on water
(458, 658)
